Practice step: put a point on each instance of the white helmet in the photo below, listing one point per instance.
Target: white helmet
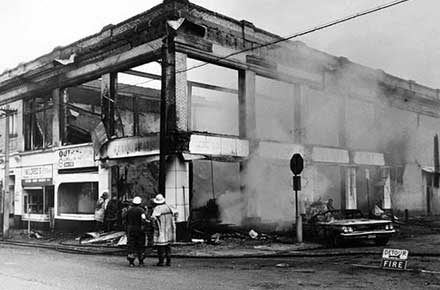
(137, 200)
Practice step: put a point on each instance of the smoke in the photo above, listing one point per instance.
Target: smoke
(231, 207)
(355, 109)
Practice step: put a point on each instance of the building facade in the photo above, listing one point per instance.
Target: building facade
(190, 103)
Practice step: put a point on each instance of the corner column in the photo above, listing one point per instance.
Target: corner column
(174, 115)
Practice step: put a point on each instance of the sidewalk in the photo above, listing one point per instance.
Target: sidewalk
(420, 239)
(225, 249)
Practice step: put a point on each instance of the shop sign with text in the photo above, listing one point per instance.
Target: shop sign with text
(37, 175)
(77, 157)
(132, 147)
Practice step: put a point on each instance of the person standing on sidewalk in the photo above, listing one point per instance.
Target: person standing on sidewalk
(164, 229)
(135, 218)
(112, 214)
(100, 207)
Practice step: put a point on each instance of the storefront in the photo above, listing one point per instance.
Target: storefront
(77, 185)
(38, 192)
(134, 166)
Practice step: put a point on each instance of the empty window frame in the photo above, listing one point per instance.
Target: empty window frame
(213, 91)
(38, 117)
(137, 106)
(81, 112)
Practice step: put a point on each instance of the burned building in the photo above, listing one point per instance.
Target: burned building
(194, 104)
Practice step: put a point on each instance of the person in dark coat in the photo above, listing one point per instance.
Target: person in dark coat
(135, 218)
(112, 214)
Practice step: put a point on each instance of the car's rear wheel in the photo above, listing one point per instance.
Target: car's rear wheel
(381, 241)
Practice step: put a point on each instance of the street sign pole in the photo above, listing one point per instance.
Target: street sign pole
(299, 231)
(297, 165)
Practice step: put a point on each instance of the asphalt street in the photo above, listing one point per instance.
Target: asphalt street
(38, 269)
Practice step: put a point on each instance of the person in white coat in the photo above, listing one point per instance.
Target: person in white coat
(164, 229)
(100, 207)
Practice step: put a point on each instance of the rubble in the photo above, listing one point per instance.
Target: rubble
(197, 241)
(100, 238)
(253, 234)
(215, 239)
(36, 235)
(282, 265)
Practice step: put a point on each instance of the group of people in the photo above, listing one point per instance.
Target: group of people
(137, 220)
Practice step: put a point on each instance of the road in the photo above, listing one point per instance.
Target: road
(32, 268)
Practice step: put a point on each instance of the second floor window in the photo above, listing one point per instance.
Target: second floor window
(12, 125)
(38, 115)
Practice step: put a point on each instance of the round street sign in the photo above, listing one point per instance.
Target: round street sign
(296, 163)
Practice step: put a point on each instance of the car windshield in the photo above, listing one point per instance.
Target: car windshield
(338, 215)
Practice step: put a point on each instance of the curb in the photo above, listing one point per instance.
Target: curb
(99, 250)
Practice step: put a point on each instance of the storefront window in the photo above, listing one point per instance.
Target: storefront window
(77, 198)
(38, 200)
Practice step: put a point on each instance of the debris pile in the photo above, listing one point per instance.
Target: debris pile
(35, 234)
(107, 239)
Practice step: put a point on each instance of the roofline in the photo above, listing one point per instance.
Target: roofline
(179, 6)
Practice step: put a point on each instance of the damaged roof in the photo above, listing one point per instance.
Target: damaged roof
(139, 39)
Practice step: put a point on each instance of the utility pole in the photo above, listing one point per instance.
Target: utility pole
(5, 197)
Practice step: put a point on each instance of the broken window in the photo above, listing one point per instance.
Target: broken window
(136, 176)
(38, 200)
(396, 174)
(81, 112)
(38, 115)
(213, 91)
(216, 192)
(77, 198)
(369, 188)
(137, 106)
(14, 125)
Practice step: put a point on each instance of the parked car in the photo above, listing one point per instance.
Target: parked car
(339, 226)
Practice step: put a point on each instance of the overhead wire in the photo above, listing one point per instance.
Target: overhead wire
(304, 32)
(295, 35)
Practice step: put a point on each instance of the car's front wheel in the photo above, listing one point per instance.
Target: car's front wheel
(334, 240)
(381, 241)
